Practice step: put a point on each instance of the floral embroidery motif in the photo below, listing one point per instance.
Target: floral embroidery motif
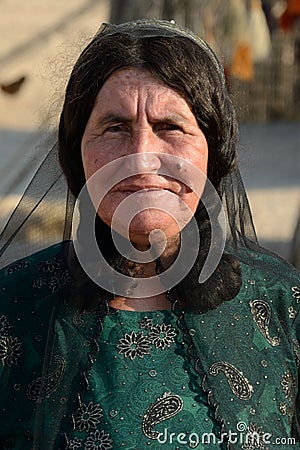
(99, 440)
(289, 385)
(10, 350)
(162, 335)
(255, 438)
(50, 266)
(87, 416)
(139, 344)
(39, 283)
(261, 315)
(296, 293)
(134, 345)
(5, 326)
(10, 347)
(44, 386)
(85, 420)
(57, 280)
(74, 444)
(238, 383)
(162, 409)
(146, 323)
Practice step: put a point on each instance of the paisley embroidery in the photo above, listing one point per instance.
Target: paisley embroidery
(162, 409)
(16, 267)
(44, 386)
(238, 383)
(261, 315)
(289, 385)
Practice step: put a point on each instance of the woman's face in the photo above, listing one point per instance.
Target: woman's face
(137, 114)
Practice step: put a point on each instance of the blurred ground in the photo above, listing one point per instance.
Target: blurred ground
(41, 40)
(270, 165)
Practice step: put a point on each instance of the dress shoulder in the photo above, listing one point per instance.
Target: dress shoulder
(268, 266)
(27, 283)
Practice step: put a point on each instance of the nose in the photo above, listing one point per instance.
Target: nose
(144, 154)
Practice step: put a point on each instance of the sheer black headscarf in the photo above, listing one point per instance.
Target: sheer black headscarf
(188, 65)
(185, 63)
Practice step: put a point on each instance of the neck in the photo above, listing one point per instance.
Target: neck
(166, 258)
(145, 270)
(156, 303)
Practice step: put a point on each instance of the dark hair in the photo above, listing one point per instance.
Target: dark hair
(177, 61)
(189, 69)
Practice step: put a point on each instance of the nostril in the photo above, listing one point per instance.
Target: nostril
(143, 162)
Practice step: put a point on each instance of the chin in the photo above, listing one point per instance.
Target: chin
(145, 222)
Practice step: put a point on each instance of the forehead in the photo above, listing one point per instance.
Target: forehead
(133, 76)
(137, 83)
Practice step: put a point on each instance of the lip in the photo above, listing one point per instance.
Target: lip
(175, 188)
(143, 189)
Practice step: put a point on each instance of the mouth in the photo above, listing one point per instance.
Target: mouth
(144, 190)
(171, 186)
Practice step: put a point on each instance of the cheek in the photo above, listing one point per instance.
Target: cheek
(200, 158)
(92, 159)
(191, 200)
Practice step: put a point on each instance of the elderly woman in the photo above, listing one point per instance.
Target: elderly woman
(100, 348)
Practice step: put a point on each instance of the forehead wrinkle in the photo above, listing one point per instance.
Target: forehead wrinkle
(150, 96)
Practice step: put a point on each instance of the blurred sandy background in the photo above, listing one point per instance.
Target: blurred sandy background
(40, 41)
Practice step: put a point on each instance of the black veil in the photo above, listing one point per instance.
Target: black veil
(48, 200)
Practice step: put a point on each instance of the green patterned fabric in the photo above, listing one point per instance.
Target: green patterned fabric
(139, 380)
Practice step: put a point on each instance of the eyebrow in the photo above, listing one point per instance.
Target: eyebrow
(116, 118)
(174, 118)
(113, 118)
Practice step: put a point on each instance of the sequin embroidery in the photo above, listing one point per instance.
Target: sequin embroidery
(238, 383)
(43, 386)
(261, 312)
(162, 409)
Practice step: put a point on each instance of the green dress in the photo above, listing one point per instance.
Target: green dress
(138, 380)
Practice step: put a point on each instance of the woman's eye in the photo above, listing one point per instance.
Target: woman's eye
(168, 127)
(116, 129)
